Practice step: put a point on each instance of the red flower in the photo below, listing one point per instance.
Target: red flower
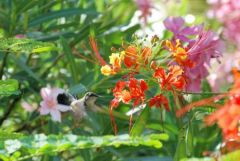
(158, 101)
(173, 78)
(136, 92)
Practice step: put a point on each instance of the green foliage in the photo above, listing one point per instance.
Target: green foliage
(232, 156)
(60, 29)
(9, 87)
(141, 122)
(40, 144)
(25, 45)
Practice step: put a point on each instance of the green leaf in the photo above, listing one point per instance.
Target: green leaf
(58, 14)
(20, 63)
(181, 151)
(140, 123)
(9, 87)
(40, 144)
(77, 89)
(70, 59)
(25, 45)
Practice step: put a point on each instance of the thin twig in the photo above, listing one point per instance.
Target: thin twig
(29, 58)
(9, 109)
(205, 93)
(3, 64)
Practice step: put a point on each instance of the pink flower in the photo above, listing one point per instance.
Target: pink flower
(29, 107)
(20, 36)
(221, 75)
(228, 12)
(206, 47)
(201, 47)
(50, 104)
(145, 7)
(177, 26)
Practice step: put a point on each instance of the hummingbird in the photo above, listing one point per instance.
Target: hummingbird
(79, 106)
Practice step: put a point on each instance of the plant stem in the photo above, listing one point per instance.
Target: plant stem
(9, 110)
(3, 64)
(205, 93)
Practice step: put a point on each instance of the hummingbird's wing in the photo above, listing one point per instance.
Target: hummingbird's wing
(78, 109)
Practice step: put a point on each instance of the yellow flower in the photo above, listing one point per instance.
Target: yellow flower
(179, 53)
(115, 60)
(107, 70)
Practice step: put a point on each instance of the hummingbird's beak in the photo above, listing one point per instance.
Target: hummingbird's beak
(96, 95)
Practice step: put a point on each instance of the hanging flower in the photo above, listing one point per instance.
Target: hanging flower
(159, 101)
(49, 104)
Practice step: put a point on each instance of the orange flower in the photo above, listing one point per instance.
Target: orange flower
(120, 94)
(228, 116)
(131, 56)
(158, 101)
(173, 78)
(136, 91)
(146, 53)
(133, 59)
(116, 60)
(179, 53)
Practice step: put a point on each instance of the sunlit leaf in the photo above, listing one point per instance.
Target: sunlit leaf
(9, 87)
(25, 45)
(40, 144)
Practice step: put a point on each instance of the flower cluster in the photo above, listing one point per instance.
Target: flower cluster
(136, 91)
(199, 49)
(175, 65)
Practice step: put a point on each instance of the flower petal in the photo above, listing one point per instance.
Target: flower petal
(56, 115)
(44, 110)
(45, 93)
(63, 108)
